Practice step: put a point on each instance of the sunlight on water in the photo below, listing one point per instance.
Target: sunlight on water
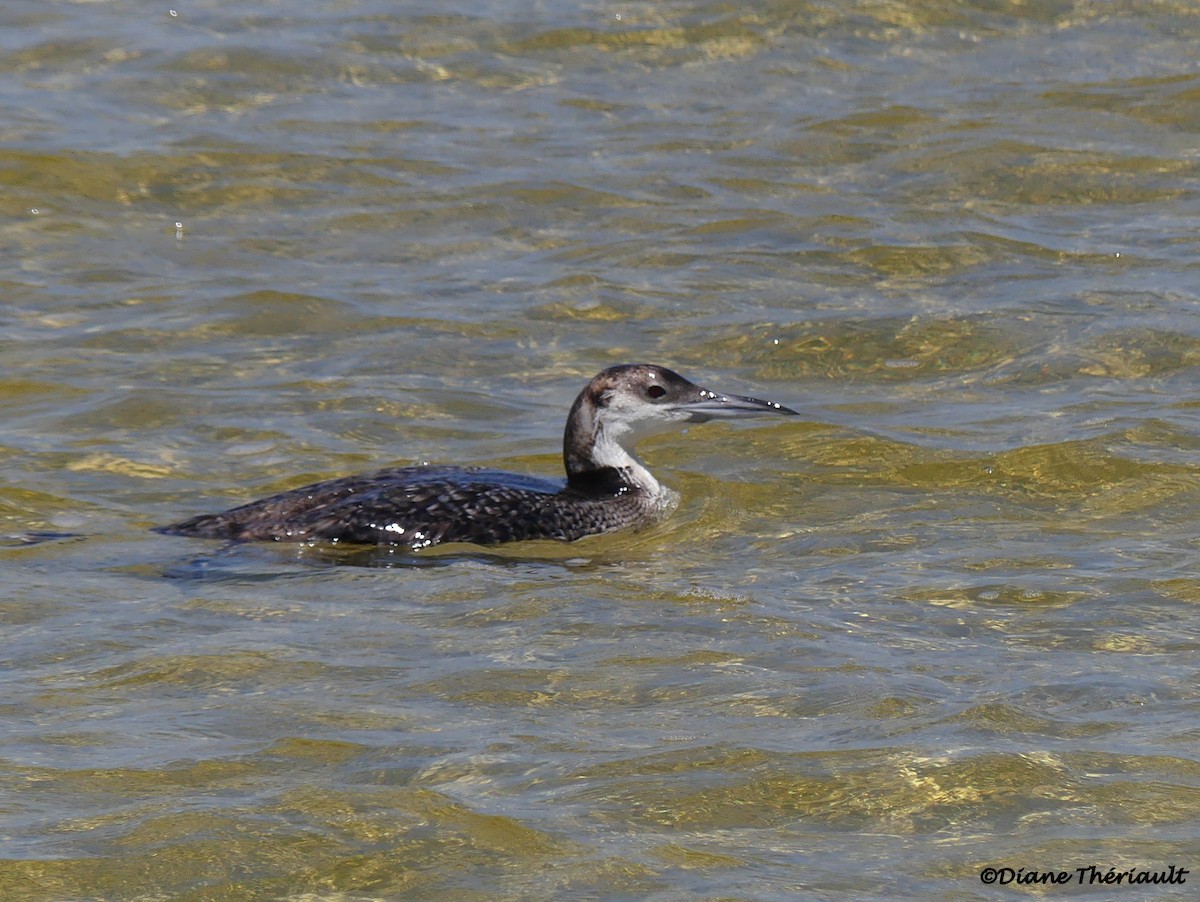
(943, 620)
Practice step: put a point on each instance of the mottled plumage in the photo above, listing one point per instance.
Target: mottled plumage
(422, 506)
(606, 488)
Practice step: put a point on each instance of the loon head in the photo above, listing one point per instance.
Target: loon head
(626, 402)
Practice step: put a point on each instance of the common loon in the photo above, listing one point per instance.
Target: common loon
(606, 488)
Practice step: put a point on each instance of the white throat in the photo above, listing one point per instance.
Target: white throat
(607, 452)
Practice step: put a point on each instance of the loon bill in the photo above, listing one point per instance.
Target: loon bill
(606, 488)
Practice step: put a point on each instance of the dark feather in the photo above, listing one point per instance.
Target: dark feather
(422, 506)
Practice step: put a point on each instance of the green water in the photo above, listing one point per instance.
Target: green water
(946, 619)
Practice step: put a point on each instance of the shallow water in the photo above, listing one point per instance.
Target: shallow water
(947, 619)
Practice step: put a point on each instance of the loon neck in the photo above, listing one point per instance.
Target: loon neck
(596, 462)
(600, 483)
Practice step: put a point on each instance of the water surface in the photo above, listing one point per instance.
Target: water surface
(946, 619)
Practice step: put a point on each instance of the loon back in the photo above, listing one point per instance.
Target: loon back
(423, 506)
(606, 488)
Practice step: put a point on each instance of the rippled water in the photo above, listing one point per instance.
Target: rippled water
(946, 620)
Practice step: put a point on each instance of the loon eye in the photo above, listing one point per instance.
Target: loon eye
(655, 391)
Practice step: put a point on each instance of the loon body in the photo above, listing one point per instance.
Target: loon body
(606, 488)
